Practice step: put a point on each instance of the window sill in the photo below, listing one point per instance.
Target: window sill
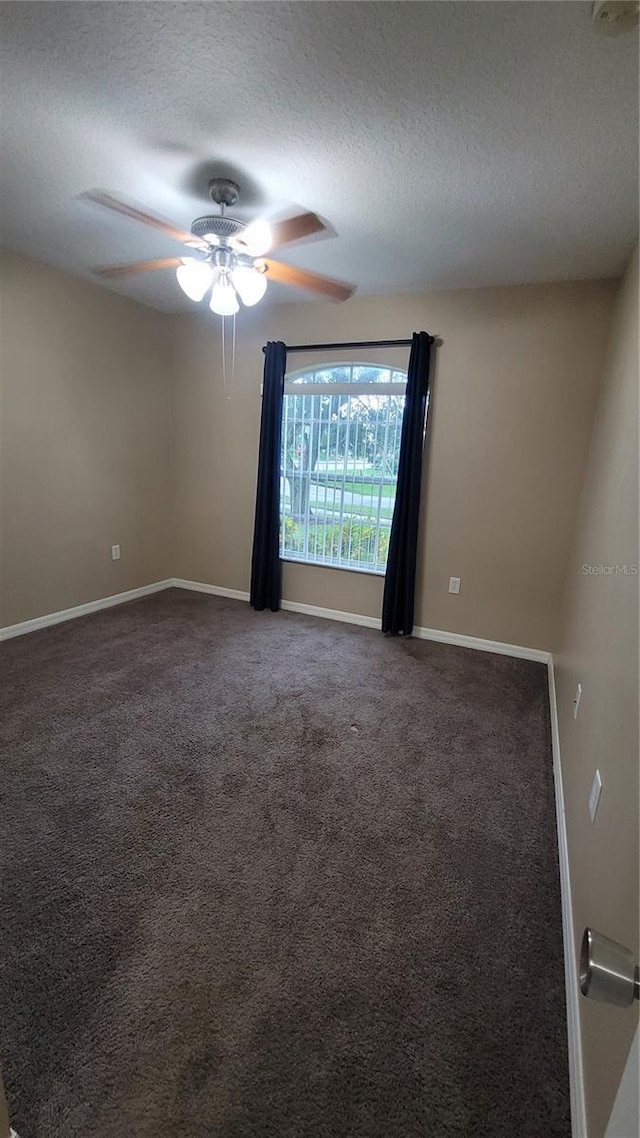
(340, 568)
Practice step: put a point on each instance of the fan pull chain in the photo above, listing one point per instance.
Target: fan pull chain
(233, 356)
(224, 360)
(228, 391)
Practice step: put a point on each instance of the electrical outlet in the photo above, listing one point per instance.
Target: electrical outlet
(454, 584)
(594, 796)
(115, 552)
(576, 700)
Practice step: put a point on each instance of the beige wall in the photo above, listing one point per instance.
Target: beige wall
(87, 419)
(85, 384)
(599, 649)
(513, 397)
(109, 436)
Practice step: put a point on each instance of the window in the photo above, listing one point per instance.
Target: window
(341, 428)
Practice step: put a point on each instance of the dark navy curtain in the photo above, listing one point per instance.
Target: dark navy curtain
(400, 578)
(265, 562)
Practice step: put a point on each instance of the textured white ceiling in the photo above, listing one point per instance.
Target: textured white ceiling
(448, 144)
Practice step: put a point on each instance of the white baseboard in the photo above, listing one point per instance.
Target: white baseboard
(25, 626)
(576, 1074)
(200, 587)
(441, 637)
(479, 645)
(332, 614)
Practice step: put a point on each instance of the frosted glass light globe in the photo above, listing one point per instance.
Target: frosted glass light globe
(250, 284)
(194, 277)
(223, 298)
(257, 238)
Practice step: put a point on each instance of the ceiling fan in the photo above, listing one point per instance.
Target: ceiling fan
(226, 257)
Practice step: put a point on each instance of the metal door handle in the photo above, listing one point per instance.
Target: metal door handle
(608, 970)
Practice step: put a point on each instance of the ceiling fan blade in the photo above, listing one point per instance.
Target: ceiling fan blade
(301, 278)
(109, 202)
(138, 267)
(295, 228)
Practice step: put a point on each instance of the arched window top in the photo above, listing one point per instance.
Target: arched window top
(350, 378)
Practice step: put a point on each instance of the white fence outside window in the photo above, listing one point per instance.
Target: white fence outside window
(341, 429)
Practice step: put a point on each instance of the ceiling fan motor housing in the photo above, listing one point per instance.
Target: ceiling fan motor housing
(224, 193)
(222, 227)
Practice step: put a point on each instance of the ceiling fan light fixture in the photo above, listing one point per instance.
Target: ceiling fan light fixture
(257, 238)
(223, 297)
(250, 284)
(194, 277)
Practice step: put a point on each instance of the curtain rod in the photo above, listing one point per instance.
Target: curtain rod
(349, 344)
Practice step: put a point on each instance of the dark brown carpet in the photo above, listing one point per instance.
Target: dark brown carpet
(268, 875)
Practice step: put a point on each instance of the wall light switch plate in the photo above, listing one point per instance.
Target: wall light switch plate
(454, 584)
(115, 552)
(576, 700)
(594, 797)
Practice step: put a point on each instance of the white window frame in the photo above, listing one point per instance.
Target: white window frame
(292, 386)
